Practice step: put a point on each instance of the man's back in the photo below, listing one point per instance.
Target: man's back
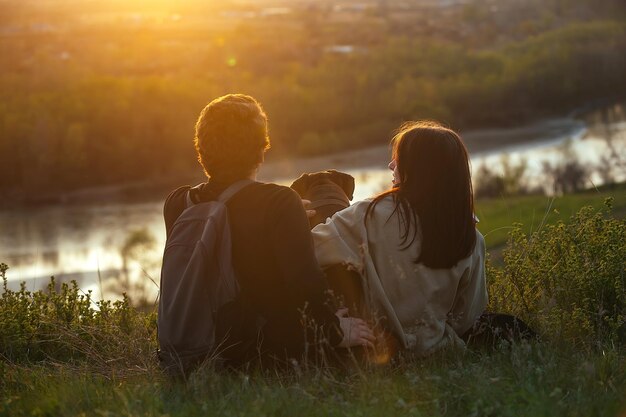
(274, 261)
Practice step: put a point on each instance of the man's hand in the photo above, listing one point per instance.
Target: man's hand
(309, 213)
(356, 332)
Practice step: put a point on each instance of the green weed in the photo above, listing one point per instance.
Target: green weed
(66, 326)
(567, 279)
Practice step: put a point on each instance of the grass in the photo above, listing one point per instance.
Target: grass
(61, 357)
(528, 380)
(498, 215)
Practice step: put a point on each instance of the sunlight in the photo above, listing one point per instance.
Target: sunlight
(380, 358)
(99, 111)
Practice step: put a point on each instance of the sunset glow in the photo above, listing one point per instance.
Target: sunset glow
(452, 170)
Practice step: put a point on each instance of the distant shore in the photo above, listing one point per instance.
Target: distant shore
(480, 141)
(284, 169)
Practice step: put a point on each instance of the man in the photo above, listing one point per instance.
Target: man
(280, 280)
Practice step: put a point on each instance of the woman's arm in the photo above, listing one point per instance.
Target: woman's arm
(342, 239)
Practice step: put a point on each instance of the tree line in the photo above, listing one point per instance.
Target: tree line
(75, 115)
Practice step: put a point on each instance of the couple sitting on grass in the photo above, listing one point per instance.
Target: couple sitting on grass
(412, 255)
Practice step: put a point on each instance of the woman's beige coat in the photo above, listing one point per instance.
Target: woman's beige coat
(427, 309)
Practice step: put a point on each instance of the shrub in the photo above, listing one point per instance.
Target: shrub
(66, 326)
(508, 180)
(566, 280)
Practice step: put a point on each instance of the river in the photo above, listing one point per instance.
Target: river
(108, 247)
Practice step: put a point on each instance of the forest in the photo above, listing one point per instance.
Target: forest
(100, 97)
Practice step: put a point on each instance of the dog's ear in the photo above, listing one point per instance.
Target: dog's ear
(345, 181)
(301, 185)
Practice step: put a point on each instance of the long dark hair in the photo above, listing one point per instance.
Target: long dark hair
(434, 187)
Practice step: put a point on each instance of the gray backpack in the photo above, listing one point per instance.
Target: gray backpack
(197, 279)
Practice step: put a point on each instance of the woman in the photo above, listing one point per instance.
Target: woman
(416, 247)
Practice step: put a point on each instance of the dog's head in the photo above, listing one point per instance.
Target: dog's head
(308, 181)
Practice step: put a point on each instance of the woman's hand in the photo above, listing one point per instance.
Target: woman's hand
(309, 213)
(356, 332)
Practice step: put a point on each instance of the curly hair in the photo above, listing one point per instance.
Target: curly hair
(231, 137)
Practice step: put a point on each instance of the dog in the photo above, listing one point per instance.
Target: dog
(491, 329)
(329, 192)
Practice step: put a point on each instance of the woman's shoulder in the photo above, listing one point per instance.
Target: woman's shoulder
(385, 201)
(480, 242)
(354, 215)
(388, 200)
(370, 206)
(357, 208)
(379, 205)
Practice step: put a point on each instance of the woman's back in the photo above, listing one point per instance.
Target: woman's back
(425, 308)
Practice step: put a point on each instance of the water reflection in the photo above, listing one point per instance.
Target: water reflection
(86, 242)
(77, 242)
(602, 157)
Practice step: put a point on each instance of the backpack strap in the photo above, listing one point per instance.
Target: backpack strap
(226, 195)
(188, 201)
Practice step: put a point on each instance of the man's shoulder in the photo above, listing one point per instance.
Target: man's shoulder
(269, 187)
(174, 205)
(271, 194)
(176, 198)
(267, 194)
(178, 193)
(274, 189)
(265, 204)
